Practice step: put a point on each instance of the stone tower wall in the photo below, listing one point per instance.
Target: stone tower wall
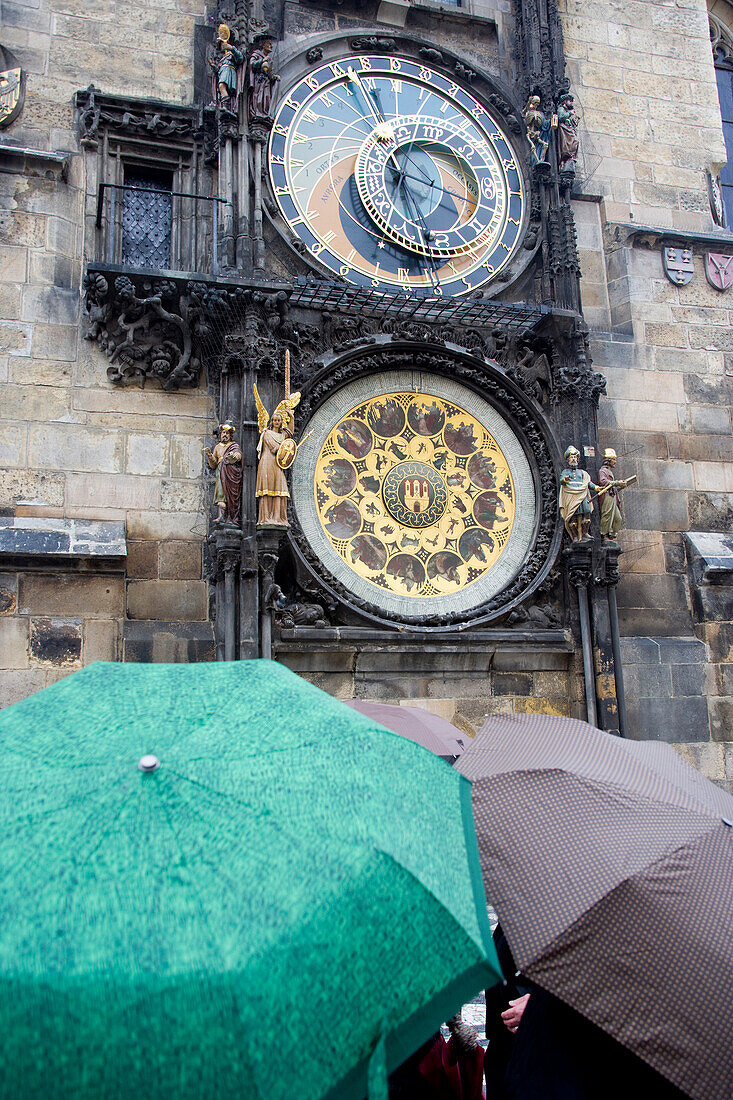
(70, 444)
(651, 130)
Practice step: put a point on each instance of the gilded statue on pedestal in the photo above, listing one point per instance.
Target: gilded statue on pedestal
(575, 499)
(612, 520)
(226, 459)
(276, 451)
(227, 66)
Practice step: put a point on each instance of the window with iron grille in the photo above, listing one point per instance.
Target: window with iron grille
(147, 217)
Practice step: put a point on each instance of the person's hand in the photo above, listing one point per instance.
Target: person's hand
(512, 1016)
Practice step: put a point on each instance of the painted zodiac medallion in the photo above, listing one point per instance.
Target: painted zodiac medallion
(414, 494)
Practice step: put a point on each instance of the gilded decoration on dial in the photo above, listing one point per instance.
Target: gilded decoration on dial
(392, 174)
(414, 494)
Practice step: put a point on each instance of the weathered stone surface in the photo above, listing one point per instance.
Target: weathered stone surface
(13, 642)
(181, 496)
(55, 641)
(711, 512)
(688, 679)
(174, 642)
(654, 622)
(147, 454)
(721, 718)
(650, 510)
(101, 640)
(555, 705)
(507, 659)
(511, 683)
(70, 595)
(707, 758)
(679, 719)
(67, 448)
(123, 491)
(180, 560)
(658, 592)
(17, 684)
(168, 600)
(43, 536)
(8, 593)
(29, 485)
(142, 560)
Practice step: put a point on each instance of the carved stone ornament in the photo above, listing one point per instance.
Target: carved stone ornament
(719, 270)
(678, 265)
(12, 87)
(483, 378)
(715, 195)
(163, 328)
(97, 112)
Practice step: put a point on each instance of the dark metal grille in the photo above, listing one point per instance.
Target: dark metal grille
(146, 221)
(476, 312)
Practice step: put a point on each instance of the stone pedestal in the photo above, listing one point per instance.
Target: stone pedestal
(268, 550)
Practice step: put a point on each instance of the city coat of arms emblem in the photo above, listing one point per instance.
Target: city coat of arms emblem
(12, 87)
(719, 270)
(678, 266)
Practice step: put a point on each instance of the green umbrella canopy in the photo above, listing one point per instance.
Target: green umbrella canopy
(291, 887)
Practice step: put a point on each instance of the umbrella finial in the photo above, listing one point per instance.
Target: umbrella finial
(148, 763)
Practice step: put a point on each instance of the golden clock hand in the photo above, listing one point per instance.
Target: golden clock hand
(353, 77)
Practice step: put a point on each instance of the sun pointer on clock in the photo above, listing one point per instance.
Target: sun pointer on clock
(395, 176)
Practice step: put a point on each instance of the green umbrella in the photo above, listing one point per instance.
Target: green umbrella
(281, 908)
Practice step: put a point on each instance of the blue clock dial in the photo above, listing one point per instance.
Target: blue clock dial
(393, 175)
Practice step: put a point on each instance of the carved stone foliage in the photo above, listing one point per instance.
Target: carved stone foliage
(135, 118)
(486, 379)
(163, 328)
(546, 370)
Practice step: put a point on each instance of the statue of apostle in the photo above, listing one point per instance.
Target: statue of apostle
(226, 63)
(260, 79)
(568, 142)
(275, 451)
(575, 503)
(226, 459)
(612, 520)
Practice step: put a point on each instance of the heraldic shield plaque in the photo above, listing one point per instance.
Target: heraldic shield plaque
(417, 498)
(12, 87)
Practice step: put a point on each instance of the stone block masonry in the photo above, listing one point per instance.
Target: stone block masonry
(72, 445)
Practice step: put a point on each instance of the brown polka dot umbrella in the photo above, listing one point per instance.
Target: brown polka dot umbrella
(610, 865)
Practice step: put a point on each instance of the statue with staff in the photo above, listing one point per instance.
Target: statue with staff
(276, 452)
(612, 520)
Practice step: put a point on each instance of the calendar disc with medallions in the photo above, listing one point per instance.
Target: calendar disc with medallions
(393, 175)
(420, 500)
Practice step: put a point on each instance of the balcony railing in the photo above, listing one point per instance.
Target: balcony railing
(160, 229)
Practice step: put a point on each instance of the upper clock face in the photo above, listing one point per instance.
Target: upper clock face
(395, 176)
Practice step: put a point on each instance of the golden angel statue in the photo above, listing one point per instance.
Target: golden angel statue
(275, 451)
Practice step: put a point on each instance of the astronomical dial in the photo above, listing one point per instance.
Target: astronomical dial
(393, 175)
(415, 494)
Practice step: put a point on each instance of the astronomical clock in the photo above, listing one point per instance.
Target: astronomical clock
(413, 492)
(392, 175)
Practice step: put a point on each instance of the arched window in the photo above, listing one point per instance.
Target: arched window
(721, 39)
